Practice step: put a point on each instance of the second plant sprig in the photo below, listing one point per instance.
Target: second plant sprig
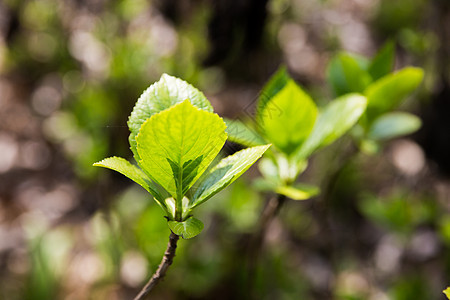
(289, 119)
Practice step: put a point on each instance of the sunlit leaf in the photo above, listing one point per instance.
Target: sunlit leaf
(124, 167)
(161, 95)
(288, 118)
(392, 125)
(333, 121)
(447, 292)
(227, 171)
(187, 229)
(346, 74)
(177, 145)
(298, 191)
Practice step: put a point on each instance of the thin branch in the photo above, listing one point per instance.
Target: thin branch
(269, 213)
(162, 269)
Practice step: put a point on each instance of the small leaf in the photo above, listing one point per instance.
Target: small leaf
(298, 192)
(447, 292)
(389, 91)
(160, 96)
(269, 169)
(383, 62)
(265, 184)
(393, 125)
(124, 167)
(186, 229)
(171, 208)
(178, 144)
(369, 147)
(333, 121)
(347, 74)
(275, 84)
(226, 172)
(288, 118)
(289, 167)
(240, 133)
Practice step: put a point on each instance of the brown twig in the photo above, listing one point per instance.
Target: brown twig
(270, 211)
(162, 269)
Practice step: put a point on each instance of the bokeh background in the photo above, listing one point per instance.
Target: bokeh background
(70, 73)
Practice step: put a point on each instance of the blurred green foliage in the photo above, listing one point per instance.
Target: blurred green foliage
(78, 67)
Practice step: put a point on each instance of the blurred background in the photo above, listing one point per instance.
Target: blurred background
(70, 73)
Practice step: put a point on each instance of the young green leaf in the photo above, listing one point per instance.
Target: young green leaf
(226, 172)
(388, 92)
(186, 229)
(276, 83)
(347, 74)
(391, 125)
(288, 118)
(447, 292)
(298, 192)
(269, 169)
(240, 133)
(122, 166)
(160, 96)
(383, 62)
(177, 145)
(335, 120)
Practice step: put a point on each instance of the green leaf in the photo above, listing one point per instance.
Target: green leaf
(124, 167)
(347, 74)
(298, 192)
(226, 172)
(177, 145)
(369, 147)
(388, 92)
(392, 125)
(186, 229)
(447, 292)
(171, 205)
(269, 169)
(334, 121)
(160, 96)
(264, 184)
(288, 118)
(383, 63)
(240, 133)
(275, 84)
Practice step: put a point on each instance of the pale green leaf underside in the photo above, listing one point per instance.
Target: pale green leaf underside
(392, 125)
(227, 171)
(388, 92)
(160, 96)
(187, 229)
(298, 192)
(269, 169)
(124, 167)
(177, 145)
(333, 122)
(288, 118)
(240, 133)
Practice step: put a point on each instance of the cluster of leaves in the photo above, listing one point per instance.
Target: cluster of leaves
(175, 136)
(288, 118)
(384, 90)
